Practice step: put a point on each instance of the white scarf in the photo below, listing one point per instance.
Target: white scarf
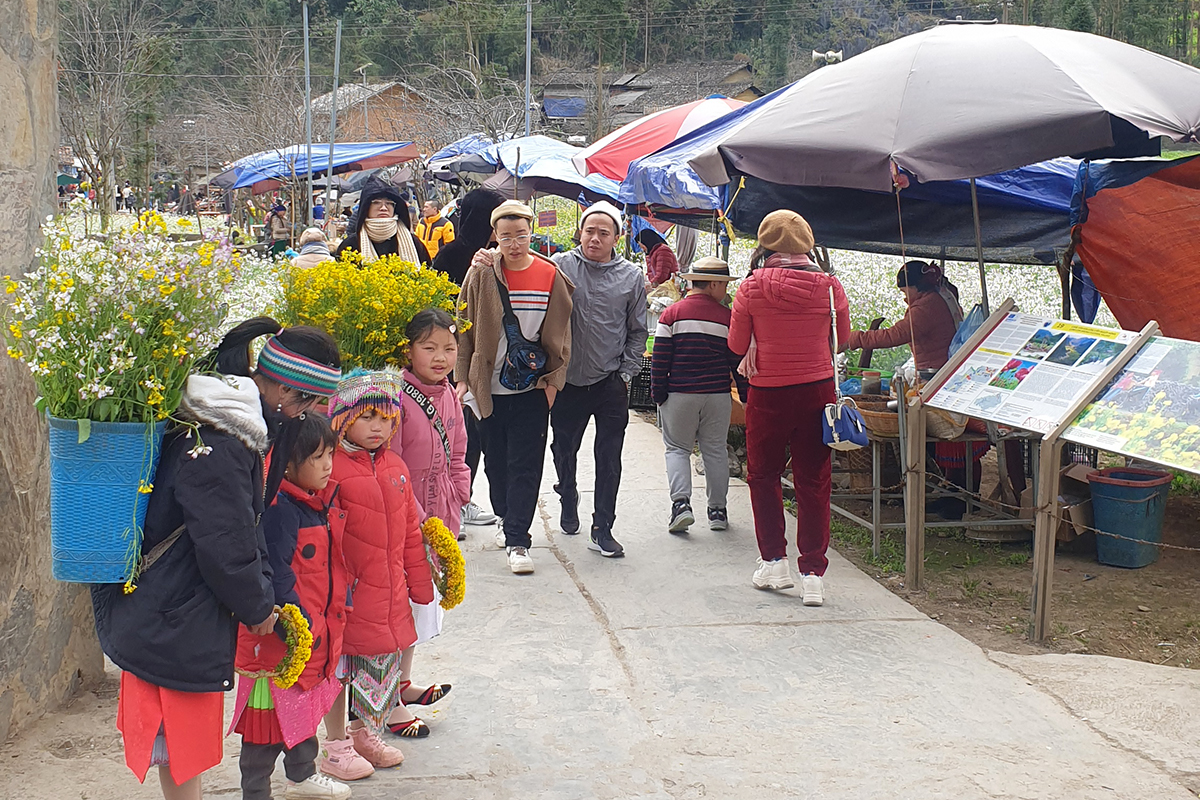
(380, 230)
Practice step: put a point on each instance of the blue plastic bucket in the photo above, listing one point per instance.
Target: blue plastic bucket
(1130, 502)
(96, 510)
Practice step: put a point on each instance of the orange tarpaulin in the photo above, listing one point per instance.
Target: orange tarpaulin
(1140, 246)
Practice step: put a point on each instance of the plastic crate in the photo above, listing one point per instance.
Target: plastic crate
(639, 388)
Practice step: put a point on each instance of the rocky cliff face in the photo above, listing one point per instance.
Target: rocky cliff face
(47, 644)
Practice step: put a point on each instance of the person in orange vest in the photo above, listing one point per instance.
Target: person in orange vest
(434, 230)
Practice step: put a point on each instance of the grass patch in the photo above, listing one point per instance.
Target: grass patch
(891, 552)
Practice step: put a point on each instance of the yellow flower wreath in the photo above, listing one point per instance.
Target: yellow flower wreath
(446, 558)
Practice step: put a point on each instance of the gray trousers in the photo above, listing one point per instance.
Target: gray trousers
(258, 762)
(690, 418)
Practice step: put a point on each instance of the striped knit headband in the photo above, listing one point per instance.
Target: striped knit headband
(300, 372)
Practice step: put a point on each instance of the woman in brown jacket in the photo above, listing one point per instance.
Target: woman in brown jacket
(513, 423)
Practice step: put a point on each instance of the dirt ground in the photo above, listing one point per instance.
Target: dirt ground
(982, 590)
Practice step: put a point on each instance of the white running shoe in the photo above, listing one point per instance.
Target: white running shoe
(775, 574)
(519, 561)
(472, 514)
(501, 539)
(813, 590)
(317, 787)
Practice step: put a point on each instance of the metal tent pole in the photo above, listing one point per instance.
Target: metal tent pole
(308, 117)
(979, 247)
(333, 105)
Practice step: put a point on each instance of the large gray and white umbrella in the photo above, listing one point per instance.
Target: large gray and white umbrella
(961, 101)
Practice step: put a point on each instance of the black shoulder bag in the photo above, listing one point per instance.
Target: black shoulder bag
(525, 361)
(431, 412)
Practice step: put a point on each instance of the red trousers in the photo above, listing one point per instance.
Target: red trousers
(776, 418)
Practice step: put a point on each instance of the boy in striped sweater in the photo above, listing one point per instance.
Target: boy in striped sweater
(692, 366)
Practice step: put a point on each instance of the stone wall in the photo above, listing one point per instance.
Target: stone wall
(47, 644)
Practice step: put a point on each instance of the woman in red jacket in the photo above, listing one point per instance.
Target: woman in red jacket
(661, 264)
(387, 567)
(782, 315)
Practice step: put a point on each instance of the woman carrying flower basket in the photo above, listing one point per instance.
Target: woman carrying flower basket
(382, 226)
(172, 628)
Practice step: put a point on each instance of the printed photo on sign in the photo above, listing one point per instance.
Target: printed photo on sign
(1070, 350)
(1040, 345)
(1099, 357)
(1013, 373)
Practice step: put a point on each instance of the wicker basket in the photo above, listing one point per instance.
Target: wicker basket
(878, 419)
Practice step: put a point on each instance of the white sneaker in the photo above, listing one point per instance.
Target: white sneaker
(318, 786)
(773, 575)
(813, 591)
(501, 539)
(472, 514)
(519, 561)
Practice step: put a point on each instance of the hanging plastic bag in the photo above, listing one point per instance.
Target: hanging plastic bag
(966, 330)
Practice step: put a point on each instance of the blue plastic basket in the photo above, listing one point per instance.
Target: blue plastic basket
(96, 510)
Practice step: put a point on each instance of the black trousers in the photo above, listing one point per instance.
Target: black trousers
(258, 762)
(514, 438)
(608, 401)
(474, 442)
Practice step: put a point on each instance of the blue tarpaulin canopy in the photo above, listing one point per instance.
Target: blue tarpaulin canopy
(545, 165)
(465, 146)
(287, 162)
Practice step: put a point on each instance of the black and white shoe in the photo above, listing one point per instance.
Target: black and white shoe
(718, 519)
(568, 518)
(681, 516)
(604, 544)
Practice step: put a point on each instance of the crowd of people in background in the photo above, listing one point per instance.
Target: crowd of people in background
(309, 488)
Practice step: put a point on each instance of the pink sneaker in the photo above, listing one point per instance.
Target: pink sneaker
(373, 749)
(343, 762)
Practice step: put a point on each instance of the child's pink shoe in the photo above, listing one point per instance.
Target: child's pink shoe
(374, 749)
(343, 762)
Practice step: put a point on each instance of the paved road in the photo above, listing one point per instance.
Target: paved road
(667, 675)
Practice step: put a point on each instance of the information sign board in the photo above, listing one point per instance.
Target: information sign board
(1029, 371)
(1151, 409)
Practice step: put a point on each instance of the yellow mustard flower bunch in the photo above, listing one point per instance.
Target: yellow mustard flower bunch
(446, 558)
(299, 639)
(365, 306)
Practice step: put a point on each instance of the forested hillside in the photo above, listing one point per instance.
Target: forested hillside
(151, 82)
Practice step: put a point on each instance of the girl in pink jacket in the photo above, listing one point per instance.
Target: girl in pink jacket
(432, 440)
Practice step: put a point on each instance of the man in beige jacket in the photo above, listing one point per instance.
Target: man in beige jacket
(513, 422)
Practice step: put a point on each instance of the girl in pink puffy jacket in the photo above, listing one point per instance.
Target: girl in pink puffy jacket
(432, 440)
(388, 573)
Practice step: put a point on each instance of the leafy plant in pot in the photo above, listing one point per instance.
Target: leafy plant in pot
(110, 331)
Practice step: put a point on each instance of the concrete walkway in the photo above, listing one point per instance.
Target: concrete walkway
(667, 675)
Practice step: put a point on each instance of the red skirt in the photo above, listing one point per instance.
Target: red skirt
(190, 721)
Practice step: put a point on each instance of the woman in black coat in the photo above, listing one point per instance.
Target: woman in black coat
(381, 226)
(173, 629)
(473, 232)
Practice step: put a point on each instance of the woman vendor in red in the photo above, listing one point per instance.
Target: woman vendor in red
(928, 327)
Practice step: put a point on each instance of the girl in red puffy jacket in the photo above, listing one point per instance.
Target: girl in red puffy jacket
(387, 567)
(304, 548)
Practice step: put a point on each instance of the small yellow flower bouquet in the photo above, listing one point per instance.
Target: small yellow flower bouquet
(446, 559)
(366, 307)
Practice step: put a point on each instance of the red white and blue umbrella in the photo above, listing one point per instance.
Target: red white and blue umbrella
(612, 155)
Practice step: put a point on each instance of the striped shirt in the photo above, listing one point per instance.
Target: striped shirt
(529, 294)
(691, 350)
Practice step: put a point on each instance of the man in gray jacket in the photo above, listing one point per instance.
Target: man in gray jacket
(608, 338)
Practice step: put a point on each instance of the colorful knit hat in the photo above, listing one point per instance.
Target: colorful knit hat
(300, 372)
(361, 391)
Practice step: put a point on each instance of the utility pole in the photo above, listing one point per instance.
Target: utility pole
(646, 57)
(307, 121)
(528, 62)
(363, 71)
(333, 109)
